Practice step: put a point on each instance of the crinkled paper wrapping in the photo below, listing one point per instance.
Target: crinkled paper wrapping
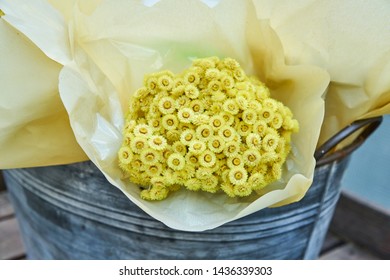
(106, 47)
(351, 39)
(34, 125)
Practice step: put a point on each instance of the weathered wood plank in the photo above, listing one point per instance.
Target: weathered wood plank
(349, 251)
(331, 242)
(2, 183)
(364, 224)
(6, 209)
(11, 246)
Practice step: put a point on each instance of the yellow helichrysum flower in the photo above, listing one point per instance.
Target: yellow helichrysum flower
(187, 136)
(185, 115)
(256, 181)
(244, 129)
(270, 156)
(227, 81)
(158, 191)
(150, 82)
(154, 169)
(127, 138)
(193, 184)
(277, 121)
(157, 142)
(203, 173)
(138, 144)
(176, 161)
(228, 118)
(227, 133)
(266, 114)
(191, 91)
(197, 147)
(178, 82)
(238, 175)
(165, 82)
(150, 156)
(212, 74)
(200, 119)
(276, 171)
(186, 126)
(214, 86)
(181, 176)
(271, 104)
(155, 124)
(182, 101)
(255, 105)
(242, 190)
(166, 153)
(260, 127)
(215, 108)
(191, 159)
(252, 157)
(205, 63)
(197, 106)
(192, 77)
(217, 122)
(253, 140)
(167, 105)
(235, 161)
(216, 144)
(218, 97)
(231, 149)
(207, 158)
(242, 102)
(125, 155)
(129, 127)
(210, 184)
(231, 63)
(169, 122)
(209, 128)
(178, 91)
(270, 142)
(249, 116)
(173, 135)
(179, 147)
(141, 93)
(143, 130)
(230, 106)
(262, 93)
(204, 132)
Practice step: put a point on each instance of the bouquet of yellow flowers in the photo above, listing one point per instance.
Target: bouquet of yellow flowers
(215, 108)
(210, 128)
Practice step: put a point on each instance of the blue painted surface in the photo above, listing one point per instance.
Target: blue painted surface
(368, 173)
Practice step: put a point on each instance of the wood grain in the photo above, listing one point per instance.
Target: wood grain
(11, 246)
(364, 224)
(348, 251)
(6, 209)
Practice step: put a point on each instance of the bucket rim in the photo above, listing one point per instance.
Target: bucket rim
(326, 153)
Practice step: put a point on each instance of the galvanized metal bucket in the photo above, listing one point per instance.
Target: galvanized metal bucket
(71, 212)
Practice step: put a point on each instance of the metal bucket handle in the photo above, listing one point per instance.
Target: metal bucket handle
(322, 154)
